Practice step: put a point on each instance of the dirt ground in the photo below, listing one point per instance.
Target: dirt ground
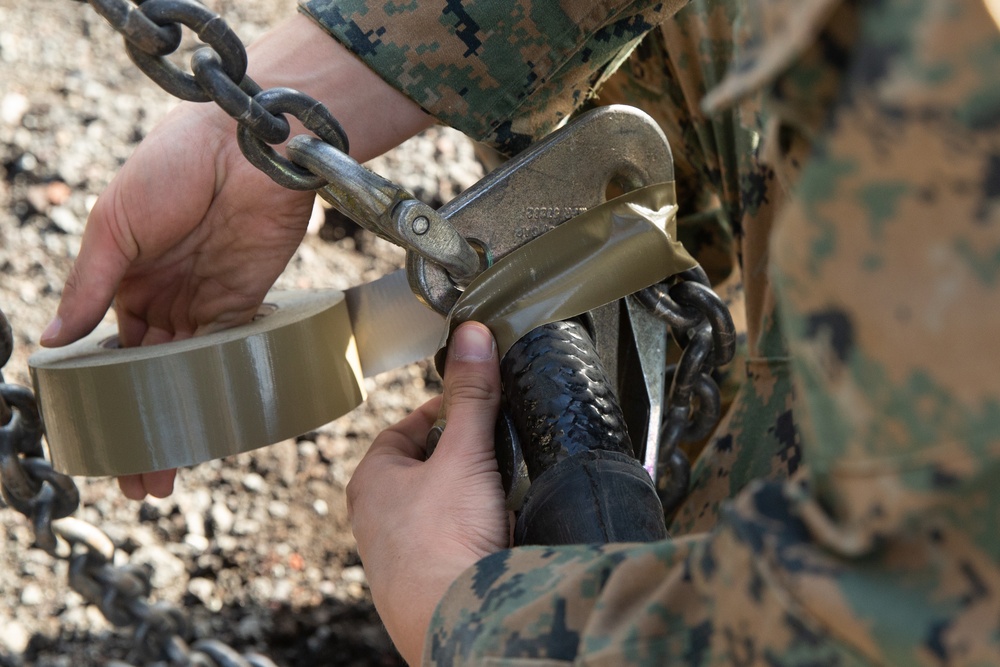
(255, 548)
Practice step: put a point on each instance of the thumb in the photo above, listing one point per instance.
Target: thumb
(92, 281)
(471, 389)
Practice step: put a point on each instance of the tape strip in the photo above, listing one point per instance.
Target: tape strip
(122, 411)
(601, 255)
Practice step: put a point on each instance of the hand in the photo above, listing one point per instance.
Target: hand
(420, 523)
(189, 236)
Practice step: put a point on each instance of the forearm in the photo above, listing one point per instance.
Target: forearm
(407, 606)
(299, 54)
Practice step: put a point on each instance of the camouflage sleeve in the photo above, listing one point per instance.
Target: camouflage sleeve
(716, 600)
(884, 121)
(501, 72)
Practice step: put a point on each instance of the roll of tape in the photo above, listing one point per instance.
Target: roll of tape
(115, 411)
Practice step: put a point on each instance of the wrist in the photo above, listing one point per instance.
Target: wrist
(407, 603)
(300, 54)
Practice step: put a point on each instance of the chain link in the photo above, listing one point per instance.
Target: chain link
(31, 486)
(701, 325)
(6, 349)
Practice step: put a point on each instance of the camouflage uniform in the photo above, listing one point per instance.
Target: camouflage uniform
(859, 454)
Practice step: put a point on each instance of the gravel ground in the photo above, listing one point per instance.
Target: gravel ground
(255, 548)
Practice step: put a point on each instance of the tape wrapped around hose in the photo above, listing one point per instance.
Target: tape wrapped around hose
(601, 255)
(119, 411)
(586, 485)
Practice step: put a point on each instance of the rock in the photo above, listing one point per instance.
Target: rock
(354, 575)
(222, 519)
(207, 592)
(199, 543)
(65, 220)
(246, 527)
(168, 569)
(14, 637)
(254, 482)
(13, 106)
(277, 509)
(57, 192)
(32, 595)
(250, 627)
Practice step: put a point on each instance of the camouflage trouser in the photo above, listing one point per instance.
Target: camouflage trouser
(728, 200)
(863, 204)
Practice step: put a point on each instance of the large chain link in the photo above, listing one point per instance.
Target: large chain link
(701, 325)
(152, 31)
(31, 486)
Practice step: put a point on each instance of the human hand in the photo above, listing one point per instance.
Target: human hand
(187, 239)
(420, 523)
(189, 236)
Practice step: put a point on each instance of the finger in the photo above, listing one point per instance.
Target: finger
(131, 486)
(160, 483)
(131, 329)
(156, 336)
(103, 259)
(408, 437)
(471, 390)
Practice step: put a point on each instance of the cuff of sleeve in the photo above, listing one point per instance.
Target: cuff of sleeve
(544, 605)
(486, 68)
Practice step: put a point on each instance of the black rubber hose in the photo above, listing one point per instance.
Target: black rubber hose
(586, 485)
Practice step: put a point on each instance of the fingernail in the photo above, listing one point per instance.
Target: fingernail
(472, 343)
(52, 330)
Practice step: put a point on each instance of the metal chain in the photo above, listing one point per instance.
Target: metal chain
(152, 30)
(31, 486)
(701, 325)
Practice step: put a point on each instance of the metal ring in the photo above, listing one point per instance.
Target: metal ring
(673, 476)
(16, 486)
(130, 22)
(695, 274)
(231, 98)
(6, 341)
(434, 436)
(690, 364)
(163, 622)
(696, 295)
(82, 579)
(123, 586)
(66, 496)
(26, 433)
(316, 117)
(210, 28)
(93, 539)
(223, 655)
(656, 299)
(699, 423)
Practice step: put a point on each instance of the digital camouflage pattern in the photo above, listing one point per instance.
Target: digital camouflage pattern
(850, 155)
(502, 72)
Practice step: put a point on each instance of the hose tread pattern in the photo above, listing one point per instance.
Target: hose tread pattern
(560, 398)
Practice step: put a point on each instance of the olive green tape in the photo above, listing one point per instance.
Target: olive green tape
(601, 255)
(121, 411)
